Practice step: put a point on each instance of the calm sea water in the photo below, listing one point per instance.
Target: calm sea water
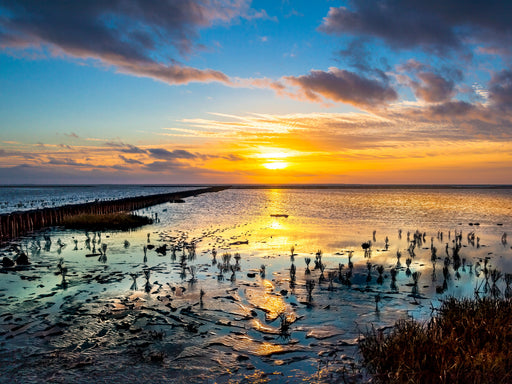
(241, 308)
(24, 198)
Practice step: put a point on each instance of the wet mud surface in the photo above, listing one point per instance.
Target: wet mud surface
(222, 302)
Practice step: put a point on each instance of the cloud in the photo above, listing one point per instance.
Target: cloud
(232, 157)
(436, 25)
(130, 161)
(452, 109)
(125, 148)
(160, 166)
(135, 37)
(162, 153)
(72, 135)
(433, 88)
(500, 90)
(342, 86)
(54, 161)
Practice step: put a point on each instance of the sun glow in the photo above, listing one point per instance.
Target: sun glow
(276, 165)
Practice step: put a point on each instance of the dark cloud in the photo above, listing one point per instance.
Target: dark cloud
(500, 90)
(429, 84)
(138, 37)
(358, 55)
(452, 109)
(433, 88)
(130, 161)
(159, 166)
(119, 167)
(343, 86)
(433, 24)
(164, 154)
(125, 148)
(72, 135)
(412, 65)
(233, 157)
(54, 161)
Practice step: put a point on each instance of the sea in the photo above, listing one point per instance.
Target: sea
(249, 283)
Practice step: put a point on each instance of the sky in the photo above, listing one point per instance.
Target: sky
(251, 92)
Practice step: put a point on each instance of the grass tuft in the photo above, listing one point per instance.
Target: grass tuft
(113, 221)
(467, 339)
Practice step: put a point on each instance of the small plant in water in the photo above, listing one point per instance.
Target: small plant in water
(310, 285)
(293, 271)
(147, 286)
(233, 276)
(380, 270)
(134, 276)
(214, 255)
(369, 275)
(415, 278)
(350, 264)
(237, 258)
(226, 259)
(495, 276)
(340, 269)
(318, 259)
(63, 271)
(284, 327)
(201, 295)
(322, 269)
(393, 272)
(408, 262)
(193, 270)
(307, 261)
(508, 282)
(330, 276)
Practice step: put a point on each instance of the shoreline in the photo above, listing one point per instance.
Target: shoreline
(274, 186)
(18, 223)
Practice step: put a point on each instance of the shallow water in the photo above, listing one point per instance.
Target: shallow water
(24, 198)
(249, 326)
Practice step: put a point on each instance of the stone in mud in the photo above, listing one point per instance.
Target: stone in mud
(7, 263)
(22, 259)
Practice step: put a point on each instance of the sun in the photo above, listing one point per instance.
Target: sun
(274, 158)
(276, 165)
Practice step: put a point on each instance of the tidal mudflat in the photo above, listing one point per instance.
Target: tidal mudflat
(269, 285)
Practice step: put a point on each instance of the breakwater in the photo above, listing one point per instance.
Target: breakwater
(15, 224)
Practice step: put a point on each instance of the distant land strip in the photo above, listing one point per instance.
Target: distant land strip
(15, 224)
(371, 186)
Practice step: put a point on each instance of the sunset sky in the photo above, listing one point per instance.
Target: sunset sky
(240, 91)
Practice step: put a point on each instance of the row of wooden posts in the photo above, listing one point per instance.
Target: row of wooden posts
(15, 224)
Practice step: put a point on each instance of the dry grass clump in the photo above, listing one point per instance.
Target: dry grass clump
(112, 221)
(467, 341)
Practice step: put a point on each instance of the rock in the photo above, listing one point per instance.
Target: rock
(7, 263)
(162, 250)
(22, 259)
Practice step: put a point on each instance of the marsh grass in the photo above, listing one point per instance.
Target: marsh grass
(467, 339)
(114, 221)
